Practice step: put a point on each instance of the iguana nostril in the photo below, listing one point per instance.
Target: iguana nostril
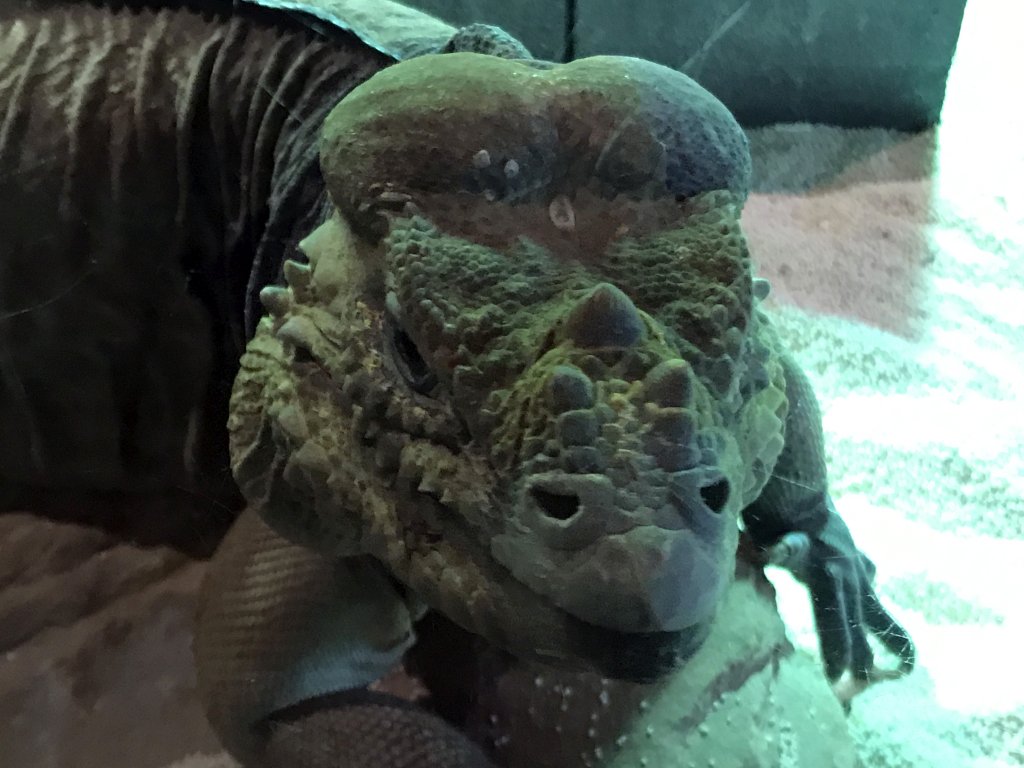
(716, 495)
(560, 506)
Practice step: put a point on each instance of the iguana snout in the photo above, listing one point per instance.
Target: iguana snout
(633, 570)
(623, 517)
(619, 515)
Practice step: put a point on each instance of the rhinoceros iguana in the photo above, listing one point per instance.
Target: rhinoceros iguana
(513, 368)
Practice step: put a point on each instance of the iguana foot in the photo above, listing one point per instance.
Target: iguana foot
(846, 607)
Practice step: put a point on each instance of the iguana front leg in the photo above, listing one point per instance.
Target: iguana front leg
(796, 523)
(287, 642)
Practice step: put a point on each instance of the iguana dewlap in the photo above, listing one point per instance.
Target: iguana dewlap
(515, 371)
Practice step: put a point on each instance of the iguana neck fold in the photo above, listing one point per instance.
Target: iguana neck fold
(257, 99)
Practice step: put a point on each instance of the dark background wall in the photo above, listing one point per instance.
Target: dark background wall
(844, 62)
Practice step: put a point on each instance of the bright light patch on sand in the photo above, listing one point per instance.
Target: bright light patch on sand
(914, 421)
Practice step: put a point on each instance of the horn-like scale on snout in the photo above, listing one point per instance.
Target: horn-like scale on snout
(605, 318)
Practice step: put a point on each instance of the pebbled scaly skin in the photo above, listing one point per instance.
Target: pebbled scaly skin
(522, 374)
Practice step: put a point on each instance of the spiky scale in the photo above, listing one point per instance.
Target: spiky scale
(605, 318)
(569, 388)
(299, 276)
(669, 384)
(276, 299)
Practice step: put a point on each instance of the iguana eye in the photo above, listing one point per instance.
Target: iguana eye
(302, 355)
(409, 361)
(716, 495)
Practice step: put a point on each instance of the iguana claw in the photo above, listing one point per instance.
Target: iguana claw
(789, 552)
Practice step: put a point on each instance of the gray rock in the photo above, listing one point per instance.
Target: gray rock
(746, 699)
(868, 63)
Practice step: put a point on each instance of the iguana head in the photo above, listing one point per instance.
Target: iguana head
(520, 368)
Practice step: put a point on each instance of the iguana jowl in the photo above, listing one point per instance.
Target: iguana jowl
(517, 373)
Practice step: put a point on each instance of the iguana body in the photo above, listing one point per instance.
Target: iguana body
(150, 173)
(518, 374)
